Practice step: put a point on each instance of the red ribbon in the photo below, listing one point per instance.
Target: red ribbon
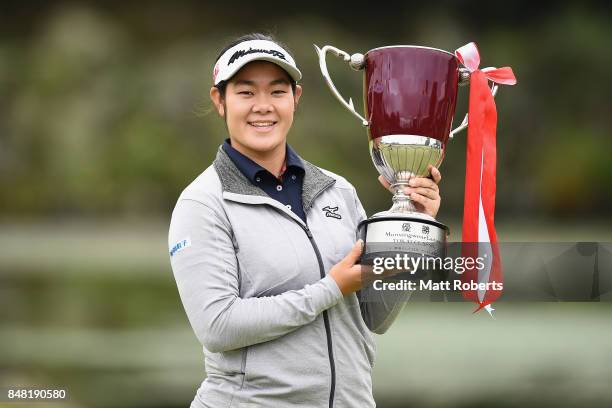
(479, 235)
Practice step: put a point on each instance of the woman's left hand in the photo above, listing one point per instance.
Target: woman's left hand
(423, 191)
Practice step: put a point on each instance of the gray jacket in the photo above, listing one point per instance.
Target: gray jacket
(275, 329)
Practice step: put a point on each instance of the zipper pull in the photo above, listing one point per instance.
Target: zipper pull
(307, 231)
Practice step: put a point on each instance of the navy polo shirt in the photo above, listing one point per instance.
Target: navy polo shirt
(287, 190)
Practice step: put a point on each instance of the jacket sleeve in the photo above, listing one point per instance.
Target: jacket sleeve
(380, 311)
(205, 268)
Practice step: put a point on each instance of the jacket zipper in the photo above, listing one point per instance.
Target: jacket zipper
(330, 351)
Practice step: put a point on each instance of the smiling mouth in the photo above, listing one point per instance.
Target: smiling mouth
(262, 124)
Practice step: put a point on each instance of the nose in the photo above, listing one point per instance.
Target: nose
(263, 104)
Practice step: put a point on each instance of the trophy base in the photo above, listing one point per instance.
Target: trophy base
(388, 234)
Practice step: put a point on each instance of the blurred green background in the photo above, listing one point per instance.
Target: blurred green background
(104, 119)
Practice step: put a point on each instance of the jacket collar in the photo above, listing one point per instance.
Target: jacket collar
(233, 181)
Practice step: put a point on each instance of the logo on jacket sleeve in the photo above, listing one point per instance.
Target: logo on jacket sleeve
(332, 212)
(179, 246)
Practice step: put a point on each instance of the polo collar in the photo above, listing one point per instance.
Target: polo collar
(251, 169)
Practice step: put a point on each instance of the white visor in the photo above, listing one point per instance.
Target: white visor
(254, 50)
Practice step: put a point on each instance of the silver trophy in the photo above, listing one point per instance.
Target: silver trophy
(410, 94)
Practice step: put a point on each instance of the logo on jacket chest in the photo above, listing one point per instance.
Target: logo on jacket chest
(332, 212)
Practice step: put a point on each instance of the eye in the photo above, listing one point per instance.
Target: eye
(279, 92)
(247, 93)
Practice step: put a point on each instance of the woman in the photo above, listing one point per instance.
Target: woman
(262, 247)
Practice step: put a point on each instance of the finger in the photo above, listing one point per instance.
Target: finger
(425, 201)
(435, 174)
(423, 182)
(427, 192)
(353, 256)
(365, 268)
(408, 190)
(428, 205)
(423, 204)
(384, 182)
(391, 273)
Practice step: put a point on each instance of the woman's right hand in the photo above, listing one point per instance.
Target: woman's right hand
(351, 276)
(347, 273)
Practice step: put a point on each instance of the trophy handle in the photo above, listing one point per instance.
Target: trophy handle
(356, 61)
(464, 123)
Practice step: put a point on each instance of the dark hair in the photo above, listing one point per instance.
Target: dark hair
(249, 37)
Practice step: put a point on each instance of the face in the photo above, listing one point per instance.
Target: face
(258, 108)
